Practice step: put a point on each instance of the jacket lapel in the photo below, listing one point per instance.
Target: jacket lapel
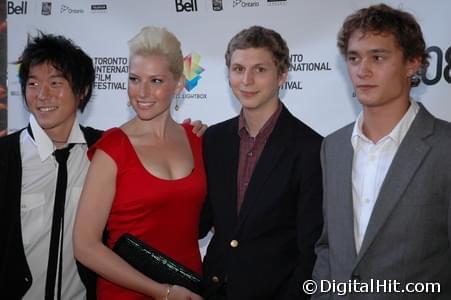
(343, 207)
(11, 166)
(408, 158)
(230, 157)
(91, 135)
(274, 148)
(11, 187)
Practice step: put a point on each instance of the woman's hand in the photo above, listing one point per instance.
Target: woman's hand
(177, 292)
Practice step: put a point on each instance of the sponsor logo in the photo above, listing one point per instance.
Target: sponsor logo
(292, 85)
(245, 3)
(98, 7)
(46, 9)
(69, 10)
(299, 65)
(187, 5)
(276, 2)
(20, 9)
(110, 73)
(441, 59)
(217, 5)
(192, 70)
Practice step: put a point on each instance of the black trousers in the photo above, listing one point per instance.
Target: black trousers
(219, 294)
(217, 297)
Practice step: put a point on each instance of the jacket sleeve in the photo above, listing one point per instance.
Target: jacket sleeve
(309, 221)
(321, 270)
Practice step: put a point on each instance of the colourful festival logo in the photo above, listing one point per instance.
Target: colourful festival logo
(192, 70)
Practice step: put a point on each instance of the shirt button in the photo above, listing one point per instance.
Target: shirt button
(215, 279)
(250, 153)
(234, 243)
(26, 279)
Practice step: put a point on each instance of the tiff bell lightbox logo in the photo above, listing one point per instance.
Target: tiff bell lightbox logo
(46, 9)
(192, 70)
(20, 9)
(187, 5)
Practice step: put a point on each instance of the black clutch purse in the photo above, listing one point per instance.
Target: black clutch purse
(155, 264)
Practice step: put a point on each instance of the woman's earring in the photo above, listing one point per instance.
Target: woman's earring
(128, 103)
(177, 106)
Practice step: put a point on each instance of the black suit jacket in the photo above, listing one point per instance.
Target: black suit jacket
(15, 276)
(280, 218)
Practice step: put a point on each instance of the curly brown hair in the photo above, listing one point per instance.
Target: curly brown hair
(381, 18)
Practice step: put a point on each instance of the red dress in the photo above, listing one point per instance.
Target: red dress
(163, 213)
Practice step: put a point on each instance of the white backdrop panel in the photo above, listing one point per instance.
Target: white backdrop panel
(321, 98)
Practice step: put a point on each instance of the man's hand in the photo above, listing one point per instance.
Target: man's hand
(198, 127)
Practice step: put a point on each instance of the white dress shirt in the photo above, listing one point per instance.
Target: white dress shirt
(39, 176)
(370, 164)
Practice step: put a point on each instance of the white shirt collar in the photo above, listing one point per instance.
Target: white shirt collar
(44, 143)
(398, 132)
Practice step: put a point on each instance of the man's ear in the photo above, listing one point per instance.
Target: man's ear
(283, 78)
(412, 66)
(83, 95)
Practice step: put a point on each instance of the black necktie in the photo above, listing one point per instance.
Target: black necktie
(56, 237)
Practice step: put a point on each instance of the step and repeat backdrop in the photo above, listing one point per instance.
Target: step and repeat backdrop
(3, 94)
(318, 91)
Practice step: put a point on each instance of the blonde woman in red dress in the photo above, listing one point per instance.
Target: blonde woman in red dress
(146, 178)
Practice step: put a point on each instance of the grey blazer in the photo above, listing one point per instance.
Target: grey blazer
(409, 233)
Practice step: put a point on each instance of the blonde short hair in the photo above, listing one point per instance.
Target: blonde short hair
(158, 41)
